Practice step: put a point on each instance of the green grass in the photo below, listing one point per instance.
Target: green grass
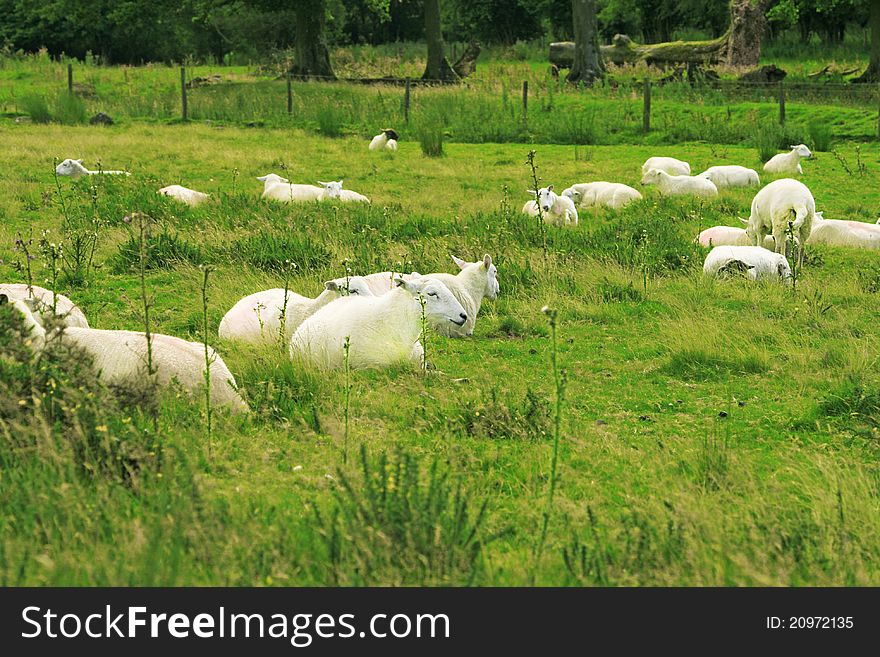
(654, 486)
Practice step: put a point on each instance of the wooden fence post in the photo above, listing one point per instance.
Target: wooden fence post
(183, 108)
(646, 113)
(70, 78)
(525, 100)
(781, 103)
(878, 112)
(289, 93)
(406, 94)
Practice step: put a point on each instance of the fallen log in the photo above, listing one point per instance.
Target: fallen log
(624, 50)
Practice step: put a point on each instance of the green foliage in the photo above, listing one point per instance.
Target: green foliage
(70, 109)
(163, 251)
(821, 136)
(430, 135)
(36, 108)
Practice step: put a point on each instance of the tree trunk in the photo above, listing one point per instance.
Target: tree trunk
(624, 51)
(438, 67)
(587, 65)
(872, 73)
(312, 55)
(747, 28)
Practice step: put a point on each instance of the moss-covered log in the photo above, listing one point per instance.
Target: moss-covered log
(624, 50)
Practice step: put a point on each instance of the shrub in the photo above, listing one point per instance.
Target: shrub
(330, 121)
(430, 136)
(163, 251)
(768, 138)
(271, 252)
(70, 109)
(821, 137)
(37, 108)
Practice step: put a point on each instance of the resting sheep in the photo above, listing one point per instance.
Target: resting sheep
(276, 188)
(754, 262)
(729, 236)
(256, 319)
(190, 197)
(556, 209)
(731, 175)
(612, 195)
(668, 164)
(75, 169)
(69, 313)
(382, 330)
(782, 202)
(333, 192)
(680, 185)
(120, 357)
(385, 140)
(838, 232)
(788, 162)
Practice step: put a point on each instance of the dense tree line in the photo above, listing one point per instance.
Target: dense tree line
(170, 30)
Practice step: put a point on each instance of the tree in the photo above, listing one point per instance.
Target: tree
(587, 65)
(438, 67)
(312, 54)
(747, 28)
(872, 73)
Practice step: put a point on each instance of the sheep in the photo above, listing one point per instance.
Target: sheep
(120, 357)
(556, 209)
(668, 164)
(612, 195)
(333, 192)
(680, 185)
(754, 262)
(190, 197)
(385, 140)
(788, 162)
(782, 202)
(382, 330)
(69, 313)
(276, 188)
(729, 236)
(836, 232)
(731, 175)
(256, 319)
(75, 169)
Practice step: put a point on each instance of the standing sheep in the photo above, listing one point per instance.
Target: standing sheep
(788, 162)
(731, 175)
(556, 209)
(69, 313)
(782, 202)
(385, 140)
(680, 185)
(754, 262)
(382, 330)
(668, 164)
(612, 195)
(190, 197)
(120, 357)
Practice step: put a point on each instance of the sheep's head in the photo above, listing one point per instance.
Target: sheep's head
(358, 285)
(651, 177)
(391, 134)
(492, 288)
(73, 168)
(573, 194)
(801, 150)
(546, 197)
(440, 305)
(783, 269)
(272, 178)
(332, 189)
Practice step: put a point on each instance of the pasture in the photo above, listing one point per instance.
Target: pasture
(712, 433)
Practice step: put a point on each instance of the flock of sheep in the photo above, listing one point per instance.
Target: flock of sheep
(377, 320)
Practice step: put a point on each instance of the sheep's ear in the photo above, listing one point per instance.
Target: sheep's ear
(458, 261)
(413, 287)
(332, 286)
(80, 161)
(487, 261)
(323, 184)
(549, 188)
(743, 220)
(3, 299)
(262, 178)
(532, 192)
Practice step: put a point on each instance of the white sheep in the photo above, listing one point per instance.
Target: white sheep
(680, 185)
(556, 209)
(754, 262)
(782, 202)
(839, 232)
(382, 330)
(788, 162)
(276, 188)
(256, 319)
(69, 313)
(333, 192)
(668, 164)
(75, 169)
(731, 175)
(120, 357)
(385, 140)
(190, 197)
(729, 236)
(612, 195)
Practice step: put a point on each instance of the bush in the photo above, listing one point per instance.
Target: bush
(163, 251)
(430, 136)
(70, 109)
(272, 251)
(330, 121)
(37, 108)
(821, 137)
(768, 139)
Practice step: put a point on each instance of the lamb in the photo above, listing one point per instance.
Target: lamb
(680, 185)
(782, 202)
(276, 188)
(612, 195)
(556, 209)
(836, 232)
(668, 164)
(731, 175)
(730, 236)
(382, 330)
(69, 313)
(120, 357)
(190, 197)
(386, 140)
(256, 319)
(788, 162)
(754, 262)
(75, 169)
(333, 192)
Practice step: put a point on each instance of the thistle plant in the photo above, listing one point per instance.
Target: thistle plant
(530, 160)
(289, 268)
(793, 251)
(209, 358)
(423, 337)
(52, 255)
(23, 266)
(146, 303)
(346, 362)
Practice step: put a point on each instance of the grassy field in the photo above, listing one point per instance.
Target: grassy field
(713, 433)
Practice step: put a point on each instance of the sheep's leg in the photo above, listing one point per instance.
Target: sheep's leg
(781, 240)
